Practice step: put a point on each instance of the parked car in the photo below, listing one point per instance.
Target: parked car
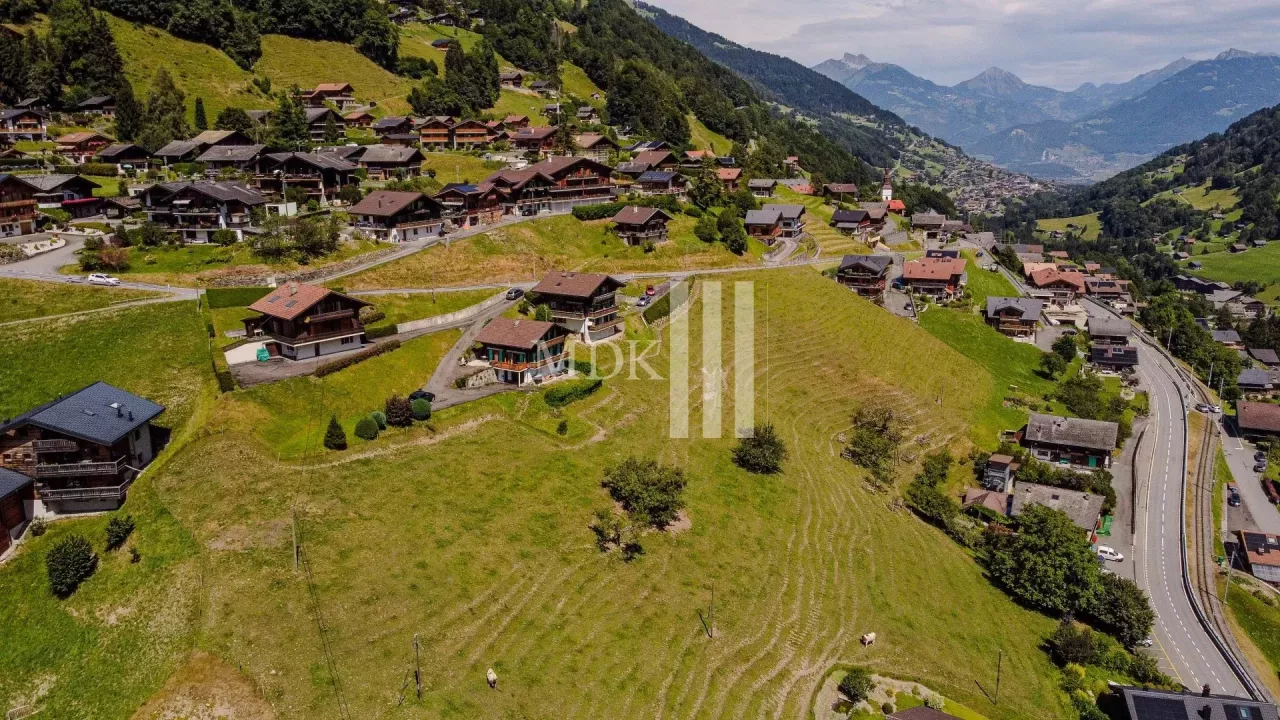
(422, 395)
(644, 301)
(1204, 407)
(1145, 642)
(1260, 467)
(1260, 456)
(650, 291)
(1215, 408)
(515, 293)
(1109, 553)
(100, 279)
(1233, 495)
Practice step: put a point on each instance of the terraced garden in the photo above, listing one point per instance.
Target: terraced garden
(818, 224)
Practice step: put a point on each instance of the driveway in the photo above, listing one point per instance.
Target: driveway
(1239, 453)
(451, 367)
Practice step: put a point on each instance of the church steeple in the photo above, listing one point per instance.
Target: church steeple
(886, 190)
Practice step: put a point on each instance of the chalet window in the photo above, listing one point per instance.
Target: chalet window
(348, 340)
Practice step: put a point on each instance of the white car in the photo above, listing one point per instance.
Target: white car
(1109, 553)
(100, 279)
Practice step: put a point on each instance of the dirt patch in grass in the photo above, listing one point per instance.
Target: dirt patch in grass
(263, 535)
(206, 689)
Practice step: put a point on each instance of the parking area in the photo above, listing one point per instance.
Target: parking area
(1255, 511)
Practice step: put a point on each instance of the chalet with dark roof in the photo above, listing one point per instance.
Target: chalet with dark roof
(70, 193)
(17, 206)
(23, 124)
(83, 450)
(1073, 441)
(231, 157)
(397, 216)
(596, 146)
(318, 119)
(197, 210)
(392, 124)
(662, 182)
(583, 303)
(1083, 508)
(123, 156)
(17, 506)
(851, 222)
(866, 275)
(1148, 704)
(523, 351)
(467, 205)
(384, 162)
(1014, 316)
(554, 185)
(304, 321)
(104, 105)
(320, 175)
(1115, 358)
(539, 140)
(841, 192)
(762, 188)
(638, 225)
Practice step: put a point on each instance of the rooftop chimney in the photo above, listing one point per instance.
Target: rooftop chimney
(1205, 692)
(293, 288)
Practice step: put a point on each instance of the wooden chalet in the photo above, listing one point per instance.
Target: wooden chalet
(23, 124)
(539, 140)
(866, 275)
(80, 147)
(392, 126)
(17, 504)
(17, 207)
(595, 146)
(729, 178)
(384, 162)
(583, 303)
(939, 278)
(1014, 316)
(305, 321)
(320, 175)
(638, 225)
(523, 351)
(397, 216)
(123, 156)
(83, 450)
(360, 119)
(468, 205)
(554, 185)
(197, 210)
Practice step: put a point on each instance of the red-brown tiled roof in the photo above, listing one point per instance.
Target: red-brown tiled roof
(729, 173)
(635, 215)
(1258, 416)
(654, 157)
(1047, 276)
(292, 299)
(514, 333)
(384, 203)
(933, 269)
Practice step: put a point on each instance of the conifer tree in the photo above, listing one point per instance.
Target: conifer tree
(201, 120)
(334, 437)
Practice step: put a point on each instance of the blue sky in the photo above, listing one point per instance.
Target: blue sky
(1059, 43)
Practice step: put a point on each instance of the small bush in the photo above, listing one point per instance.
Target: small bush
(563, 427)
(399, 412)
(334, 436)
(563, 394)
(856, 685)
(380, 418)
(887, 708)
(379, 331)
(70, 562)
(421, 409)
(693, 211)
(135, 557)
(38, 527)
(367, 428)
(118, 530)
(762, 453)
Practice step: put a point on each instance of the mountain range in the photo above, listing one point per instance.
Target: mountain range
(1088, 133)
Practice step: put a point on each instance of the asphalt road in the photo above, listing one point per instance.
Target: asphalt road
(1182, 644)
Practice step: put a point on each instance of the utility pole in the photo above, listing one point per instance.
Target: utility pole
(1210, 380)
(712, 612)
(293, 520)
(417, 666)
(999, 665)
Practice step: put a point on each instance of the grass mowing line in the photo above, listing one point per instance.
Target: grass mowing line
(818, 224)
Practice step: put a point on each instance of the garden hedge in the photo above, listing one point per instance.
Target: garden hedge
(599, 211)
(335, 365)
(564, 393)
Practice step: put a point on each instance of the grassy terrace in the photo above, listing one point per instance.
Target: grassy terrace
(1092, 224)
(201, 264)
(306, 63)
(530, 249)
(473, 535)
(986, 283)
(458, 167)
(23, 299)
(1259, 264)
(818, 224)
(403, 307)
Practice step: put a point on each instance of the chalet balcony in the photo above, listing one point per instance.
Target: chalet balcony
(307, 338)
(18, 204)
(80, 469)
(334, 315)
(56, 445)
(528, 365)
(108, 492)
(579, 313)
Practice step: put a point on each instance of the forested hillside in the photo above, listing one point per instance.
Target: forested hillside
(1244, 162)
(789, 84)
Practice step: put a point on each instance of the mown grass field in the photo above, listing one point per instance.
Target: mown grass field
(472, 535)
(575, 82)
(1257, 264)
(818, 224)
(1259, 619)
(23, 299)
(512, 102)
(986, 283)
(1204, 197)
(201, 264)
(529, 250)
(102, 652)
(1091, 223)
(458, 167)
(290, 61)
(403, 307)
(474, 538)
(1012, 366)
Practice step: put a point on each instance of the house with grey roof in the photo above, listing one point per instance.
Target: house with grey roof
(1109, 331)
(790, 219)
(866, 275)
(1266, 356)
(83, 450)
(1257, 382)
(764, 224)
(234, 157)
(17, 500)
(1150, 704)
(762, 188)
(1014, 316)
(1083, 508)
(1229, 338)
(197, 210)
(1071, 442)
(1114, 358)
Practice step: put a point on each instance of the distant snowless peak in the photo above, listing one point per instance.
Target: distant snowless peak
(856, 62)
(1234, 54)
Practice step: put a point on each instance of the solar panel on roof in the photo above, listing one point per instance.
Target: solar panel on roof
(291, 303)
(273, 298)
(1158, 708)
(1240, 712)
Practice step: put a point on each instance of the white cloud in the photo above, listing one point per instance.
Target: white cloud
(1060, 43)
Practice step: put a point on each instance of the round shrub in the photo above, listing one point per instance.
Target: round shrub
(118, 530)
(38, 527)
(421, 409)
(762, 453)
(380, 418)
(856, 685)
(563, 427)
(367, 428)
(70, 562)
(399, 412)
(887, 708)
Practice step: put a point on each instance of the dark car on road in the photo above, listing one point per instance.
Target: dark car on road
(422, 395)
(1233, 495)
(514, 293)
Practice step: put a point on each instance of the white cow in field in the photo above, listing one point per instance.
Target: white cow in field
(492, 677)
(868, 639)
